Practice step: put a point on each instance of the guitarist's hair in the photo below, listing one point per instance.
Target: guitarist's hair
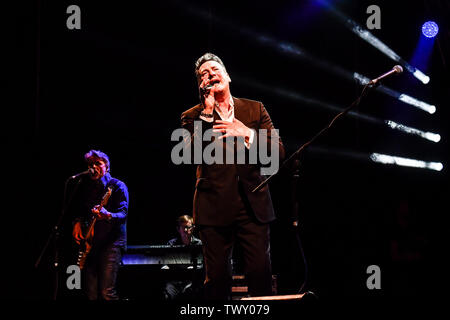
(97, 154)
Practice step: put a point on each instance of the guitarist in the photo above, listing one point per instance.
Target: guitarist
(107, 240)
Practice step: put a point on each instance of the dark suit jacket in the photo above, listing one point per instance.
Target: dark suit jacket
(216, 198)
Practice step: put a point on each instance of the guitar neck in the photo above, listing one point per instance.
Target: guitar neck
(100, 207)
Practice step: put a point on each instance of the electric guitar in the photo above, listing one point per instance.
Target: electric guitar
(86, 243)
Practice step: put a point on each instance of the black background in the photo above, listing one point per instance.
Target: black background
(121, 83)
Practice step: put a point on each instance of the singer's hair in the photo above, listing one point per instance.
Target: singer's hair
(205, 58)
(184, 219)
(94, 155)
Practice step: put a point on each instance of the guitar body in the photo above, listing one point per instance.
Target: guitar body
(86, 244)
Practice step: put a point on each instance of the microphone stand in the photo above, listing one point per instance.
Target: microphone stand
(294, 158)
(295, 215)
(54, 236)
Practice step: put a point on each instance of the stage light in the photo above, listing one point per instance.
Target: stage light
(430, 29)
(417, 103)
(378, 157)
(426, 135)
(405, 162)
(421, 76)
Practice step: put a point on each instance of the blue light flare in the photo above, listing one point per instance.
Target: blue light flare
(430, 29)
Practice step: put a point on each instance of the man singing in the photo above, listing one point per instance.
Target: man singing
(225, 209)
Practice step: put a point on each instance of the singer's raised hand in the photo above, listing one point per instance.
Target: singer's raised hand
(232, 129)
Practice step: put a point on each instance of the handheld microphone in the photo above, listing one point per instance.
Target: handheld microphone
(204, 90)
(395, 69)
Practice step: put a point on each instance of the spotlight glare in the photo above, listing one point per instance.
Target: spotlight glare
(417, 103)
(430, 29)
(405, 162)
(361, 79)
(421, 76)
(374, 41)
(426, 135)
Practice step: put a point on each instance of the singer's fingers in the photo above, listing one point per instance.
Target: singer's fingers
(220, 126)
(207, 94)
(78, 237)
(228, 123)
(204, 83)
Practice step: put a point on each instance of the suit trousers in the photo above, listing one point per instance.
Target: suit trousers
(218, 242)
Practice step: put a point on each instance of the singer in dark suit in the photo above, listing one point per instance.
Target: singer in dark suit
(225, 209)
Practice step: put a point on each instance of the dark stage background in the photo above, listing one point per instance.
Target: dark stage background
(121, 83)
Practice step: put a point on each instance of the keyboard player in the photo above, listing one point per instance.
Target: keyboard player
(184, 289)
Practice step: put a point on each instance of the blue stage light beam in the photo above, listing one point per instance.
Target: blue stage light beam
(424, 48)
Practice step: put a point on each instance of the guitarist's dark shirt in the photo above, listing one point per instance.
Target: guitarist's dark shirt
(89, 194)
